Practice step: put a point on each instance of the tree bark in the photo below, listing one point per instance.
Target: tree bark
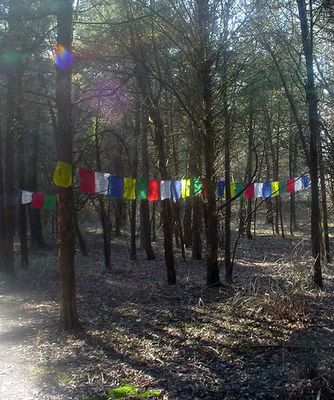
(314, 125)
(64, 141)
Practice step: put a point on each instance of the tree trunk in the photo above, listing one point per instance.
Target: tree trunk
(314, 125)
(2, 208)
(324, 209)
(64, 140)
(21, 145)
(36, 231)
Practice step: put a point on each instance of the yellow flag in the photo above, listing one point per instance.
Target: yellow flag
(275, 188)
(232, 189)
(130, 188)
(185, 188)
(62, 176)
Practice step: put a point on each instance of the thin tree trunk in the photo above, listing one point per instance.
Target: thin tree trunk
(69, 316)
(2, 208)
(21, 173)
(324, 208)
(36, 230)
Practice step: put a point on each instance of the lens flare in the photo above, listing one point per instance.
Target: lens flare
(64, 58)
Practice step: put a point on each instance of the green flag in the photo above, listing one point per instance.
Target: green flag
(282, 186)
(196, 186)
(239, 187)
(49, 202)
(141, 189)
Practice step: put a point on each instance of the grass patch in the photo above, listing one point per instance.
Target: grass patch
(126, 391)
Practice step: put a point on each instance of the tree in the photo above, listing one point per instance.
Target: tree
(64, 143)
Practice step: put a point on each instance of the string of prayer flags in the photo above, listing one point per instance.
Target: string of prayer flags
(153, 190)
(26, 197)
(275, 188)
(196, 186)
(176, 190)
(87, 180)
(185, 188)
(141, 189)
(63, 176)
(115, 188)
(249, 191)
(49, 202)
(130, 188)
(258, 189)
(165, 190)
(101, 182)
(37, 200)
(266, 190)
(221, 189)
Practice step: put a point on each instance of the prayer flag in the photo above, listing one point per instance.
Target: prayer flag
(62, 176)
(130, 188)
(26, 197)
(141, 189)
(101, 182)
(205, 186)
(298, 184)
(282, 186)
(239, 187)
(165, 190)
(49, 202)
(196, 186)
(37, 200)
(266, 190)
(258, 189)
(16, 192)
(185, 187)
(87, 180)
(275, 188)
(115, 188)
(249, 191)
(221, 189)
(232, 189)
(306, 181)
(176, 190)
(153, 190)
(290, 186)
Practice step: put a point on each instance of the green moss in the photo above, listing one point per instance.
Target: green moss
(126, 391)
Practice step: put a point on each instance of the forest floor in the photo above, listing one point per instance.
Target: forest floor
(268, 336)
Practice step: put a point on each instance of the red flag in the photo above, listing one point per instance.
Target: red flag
(249, 191)
(290, 186)
(87, 180)
(153, 190)
(37, 200)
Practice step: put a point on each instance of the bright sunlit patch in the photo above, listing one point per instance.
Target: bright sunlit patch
(64, 58)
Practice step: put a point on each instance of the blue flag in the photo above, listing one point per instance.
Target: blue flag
(176, 190)
(266, 190)
(305, 181)
(220, 188)
(115, 188)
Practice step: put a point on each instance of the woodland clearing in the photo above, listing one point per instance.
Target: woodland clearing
(268, 336)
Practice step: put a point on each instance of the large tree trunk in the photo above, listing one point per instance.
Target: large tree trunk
(314, 124)
(64, 140)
